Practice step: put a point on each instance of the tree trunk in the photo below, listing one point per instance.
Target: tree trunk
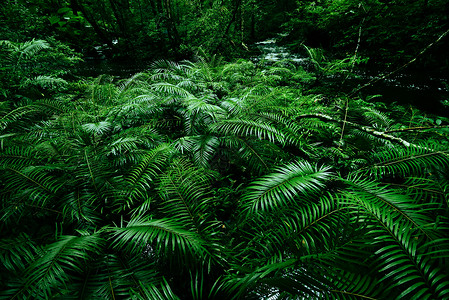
(159, 5)
(118, 13)
(228, 27)
(253, 25)
(172, 31)
(76, 6)
(153, 8)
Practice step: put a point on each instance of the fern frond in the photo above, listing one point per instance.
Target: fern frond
(281, 187)
(167, 236)
(142, 177)
(184, 192)
(50, 272)
(406, 161)
(44, 82)
(249, 128)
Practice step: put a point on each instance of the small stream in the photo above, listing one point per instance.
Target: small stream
(272, 52)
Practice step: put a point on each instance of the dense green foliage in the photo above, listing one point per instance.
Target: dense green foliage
(33, 69)
(386, 31)
(145, 28)
(207, 180)
(391, 31)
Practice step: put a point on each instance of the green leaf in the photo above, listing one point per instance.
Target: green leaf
(281, 187)
(54, 19)
(64, 10)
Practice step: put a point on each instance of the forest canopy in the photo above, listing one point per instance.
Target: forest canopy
(387, 31)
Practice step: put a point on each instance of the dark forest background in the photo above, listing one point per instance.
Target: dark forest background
(387, 32)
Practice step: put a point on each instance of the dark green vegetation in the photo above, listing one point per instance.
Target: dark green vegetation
(208, 180)
(389, 32)
(145, 28)
(205, 179)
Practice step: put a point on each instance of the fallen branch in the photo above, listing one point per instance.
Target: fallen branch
(374, 80)
(366, 129)
(417, 128)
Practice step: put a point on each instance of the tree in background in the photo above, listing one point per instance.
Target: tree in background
(149, 28)
(388, 31)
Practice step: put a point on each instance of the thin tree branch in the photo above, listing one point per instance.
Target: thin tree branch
(374, 80)
(417, 128)
(366, 129)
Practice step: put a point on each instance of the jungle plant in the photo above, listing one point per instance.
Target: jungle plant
(32, 68)
(197, 180)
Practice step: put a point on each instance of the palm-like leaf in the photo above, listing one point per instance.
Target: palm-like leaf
(377, 199)
(407, 161)
(17, 253)
(143, 177)
(248, 128)
(25, 50)
(148, 291)
(184, 193)
(281, 187)
(30, 187)
(45, 82)
(398, 225)
(219, 181)
(202, 148)
(120, 276)
(166, 237)
(98, 129)
(15, 115)
(51, 270)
